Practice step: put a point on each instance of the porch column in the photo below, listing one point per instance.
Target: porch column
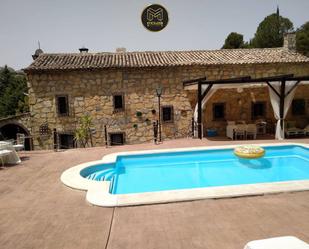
(281, 108)
(199, 110)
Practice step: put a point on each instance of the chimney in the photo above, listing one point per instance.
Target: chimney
(121, 50)
(83, 50)
(289, 41)
(37, 53)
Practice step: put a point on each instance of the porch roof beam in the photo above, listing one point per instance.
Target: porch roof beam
(248, 79)
(193, 81)
(206, 91)
(228, 81)
(293, 87)
(272, 88)
(298, 78)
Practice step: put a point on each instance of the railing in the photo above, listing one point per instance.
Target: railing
(175, 134)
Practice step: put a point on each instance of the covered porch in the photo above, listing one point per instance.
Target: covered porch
(250, 108)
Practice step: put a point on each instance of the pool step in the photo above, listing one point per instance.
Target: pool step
(109, 175)
(103, 175)
(111, 186)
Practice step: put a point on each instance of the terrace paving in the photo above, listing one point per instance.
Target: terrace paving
(38, 211)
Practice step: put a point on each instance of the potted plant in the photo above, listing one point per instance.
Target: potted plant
(83, 133)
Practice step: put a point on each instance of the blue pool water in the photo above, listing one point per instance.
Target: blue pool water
(197, 169)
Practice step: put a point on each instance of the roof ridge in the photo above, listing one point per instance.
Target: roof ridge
(163, 51)
(139, 59)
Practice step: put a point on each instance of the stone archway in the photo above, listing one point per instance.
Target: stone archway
(9, 130)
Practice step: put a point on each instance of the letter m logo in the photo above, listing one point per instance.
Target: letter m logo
(158, 14)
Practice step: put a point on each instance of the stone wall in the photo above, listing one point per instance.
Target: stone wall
(23, 120)
(238, 107)
(92, 92)
(302, 92)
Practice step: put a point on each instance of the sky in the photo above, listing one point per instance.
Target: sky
(63, 26)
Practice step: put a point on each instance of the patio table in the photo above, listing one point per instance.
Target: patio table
(230, 129)
(13, 157)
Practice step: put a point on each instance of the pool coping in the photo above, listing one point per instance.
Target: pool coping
(98, 191)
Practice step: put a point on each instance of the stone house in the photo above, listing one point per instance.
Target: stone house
(118, 90)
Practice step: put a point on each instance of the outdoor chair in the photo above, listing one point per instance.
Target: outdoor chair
(240, 132)
(230, 129)
(20, 142)
(261, 127)
(293, 131)
(251, 131)
(306, 130)
(9, 141)
(3, 154)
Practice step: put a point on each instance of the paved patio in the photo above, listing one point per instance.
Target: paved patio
(38, 211)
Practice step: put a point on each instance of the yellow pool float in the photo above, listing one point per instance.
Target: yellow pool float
(249, 151)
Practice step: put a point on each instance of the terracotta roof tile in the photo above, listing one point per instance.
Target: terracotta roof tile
(164, 58)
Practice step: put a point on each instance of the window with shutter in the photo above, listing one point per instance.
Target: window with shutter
(118, 102)
(167, 114)
(298, 107)
(62, 105)
(218, 111)
(258, 110)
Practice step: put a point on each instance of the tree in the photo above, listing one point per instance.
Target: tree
(5, 75)
(234, 40)
(13, 87)
(248, 44)
(83, 133)
(270, 31)
(302, 39)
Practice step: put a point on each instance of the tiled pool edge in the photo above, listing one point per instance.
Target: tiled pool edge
(100, 196)
(98, 191)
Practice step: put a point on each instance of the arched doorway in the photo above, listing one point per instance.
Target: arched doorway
(9, 130)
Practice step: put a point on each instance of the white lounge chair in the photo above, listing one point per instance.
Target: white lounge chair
(4, 153)
(285, 242)
(20, 142)
(294, 132)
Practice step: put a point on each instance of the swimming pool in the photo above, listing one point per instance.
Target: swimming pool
(156, 172)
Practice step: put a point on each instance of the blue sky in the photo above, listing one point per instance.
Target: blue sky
(104, 25)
